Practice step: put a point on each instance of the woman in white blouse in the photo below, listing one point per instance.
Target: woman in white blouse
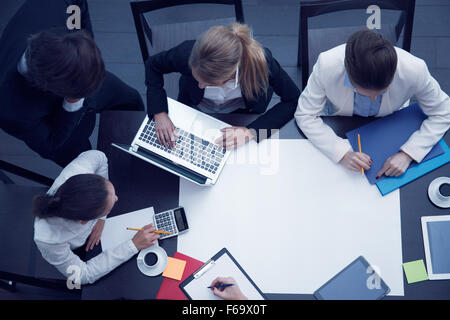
(74, 210)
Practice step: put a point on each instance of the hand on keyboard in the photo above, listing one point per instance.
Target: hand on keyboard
(234, 137)
(165, 130)
(197, 151)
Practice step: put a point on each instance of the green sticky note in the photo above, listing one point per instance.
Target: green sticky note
(415, 271)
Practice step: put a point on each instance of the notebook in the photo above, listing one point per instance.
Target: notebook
(383, 138)
(390, 184)
(115, 231)
(170, 289)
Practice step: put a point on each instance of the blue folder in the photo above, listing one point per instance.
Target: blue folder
(392, 183)
(383, 138)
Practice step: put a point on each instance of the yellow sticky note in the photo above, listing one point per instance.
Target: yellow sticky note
(174, 269)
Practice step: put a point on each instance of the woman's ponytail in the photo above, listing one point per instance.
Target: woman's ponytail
(220, 50)
(253, 71)
(45, 206)
(82, 197)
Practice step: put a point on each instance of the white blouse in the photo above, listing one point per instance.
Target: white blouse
(230, 90)
(56, 237)
(224, 99)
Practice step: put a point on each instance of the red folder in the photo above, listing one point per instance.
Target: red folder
(170, 289)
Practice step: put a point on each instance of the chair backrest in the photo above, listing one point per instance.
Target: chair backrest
(5, 179)
(20, 255)
(313, 41)
(21, 260)
(19, 171)
(140, 8)
(163, 24)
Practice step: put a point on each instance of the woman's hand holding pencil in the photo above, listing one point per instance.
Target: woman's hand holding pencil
(155, 231)
(146, 237)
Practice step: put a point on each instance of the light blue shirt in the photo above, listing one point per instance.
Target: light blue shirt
(362, 105)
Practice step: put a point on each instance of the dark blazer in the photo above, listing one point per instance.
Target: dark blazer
(34, 116)
(177, 60)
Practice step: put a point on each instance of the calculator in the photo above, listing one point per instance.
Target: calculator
(173, 221)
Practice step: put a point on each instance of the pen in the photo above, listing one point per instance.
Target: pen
(359, 146)
(223, 285)
(155, 231)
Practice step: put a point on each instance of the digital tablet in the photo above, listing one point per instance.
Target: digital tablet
(436, 241)
(357, 281)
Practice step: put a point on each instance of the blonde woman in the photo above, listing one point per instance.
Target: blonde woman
(225, 70)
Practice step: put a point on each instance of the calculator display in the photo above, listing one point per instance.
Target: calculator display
(180, 219)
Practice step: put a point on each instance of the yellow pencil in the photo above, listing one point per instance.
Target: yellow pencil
(155, 231)
(359, 145)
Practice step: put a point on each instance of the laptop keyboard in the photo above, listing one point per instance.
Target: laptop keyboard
(201, 153)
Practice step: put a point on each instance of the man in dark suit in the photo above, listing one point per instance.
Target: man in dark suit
(53, 80)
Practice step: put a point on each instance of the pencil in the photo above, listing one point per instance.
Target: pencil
(155, 231)
(359, 146)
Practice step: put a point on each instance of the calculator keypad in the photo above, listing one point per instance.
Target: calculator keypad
(165, 221)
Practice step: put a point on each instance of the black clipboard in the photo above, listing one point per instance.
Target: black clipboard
(209, 267)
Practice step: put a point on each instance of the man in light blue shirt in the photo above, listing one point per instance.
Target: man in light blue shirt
(368, 76)
(364, 106)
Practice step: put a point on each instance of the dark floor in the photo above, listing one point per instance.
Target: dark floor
(275, 25)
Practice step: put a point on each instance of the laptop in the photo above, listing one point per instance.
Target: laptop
(195, 156)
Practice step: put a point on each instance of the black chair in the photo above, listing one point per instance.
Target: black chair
(21, 261)
(30, 175)
(163, 24)
(319, 40)
(139, 8)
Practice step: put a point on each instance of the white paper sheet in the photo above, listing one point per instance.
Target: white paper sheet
(292, 218)
(115, 231)
(224, 267)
